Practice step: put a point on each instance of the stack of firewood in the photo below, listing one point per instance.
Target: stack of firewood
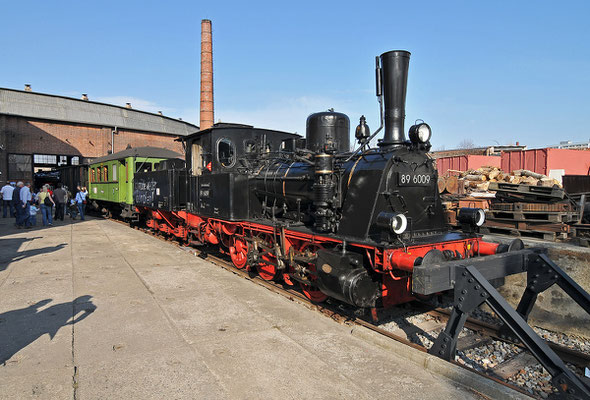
(478, 180)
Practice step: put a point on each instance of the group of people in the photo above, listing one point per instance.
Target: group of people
(23, 203)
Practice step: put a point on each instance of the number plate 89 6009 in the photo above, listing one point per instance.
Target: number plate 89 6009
(414, 179)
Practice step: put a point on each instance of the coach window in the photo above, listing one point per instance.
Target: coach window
(226, 152)
(114, 176)
(105, 173)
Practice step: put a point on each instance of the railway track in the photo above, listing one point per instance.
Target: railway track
(479, 333)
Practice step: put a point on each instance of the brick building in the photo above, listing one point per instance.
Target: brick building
(41, 131)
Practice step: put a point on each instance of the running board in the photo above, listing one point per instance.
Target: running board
(468, 279)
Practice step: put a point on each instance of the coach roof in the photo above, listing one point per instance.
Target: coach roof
(151, 152)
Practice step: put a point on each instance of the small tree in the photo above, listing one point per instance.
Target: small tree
(466, 144)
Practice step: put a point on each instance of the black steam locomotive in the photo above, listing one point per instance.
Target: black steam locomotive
(363, 226)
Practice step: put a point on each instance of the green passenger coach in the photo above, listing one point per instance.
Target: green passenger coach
(110, 178)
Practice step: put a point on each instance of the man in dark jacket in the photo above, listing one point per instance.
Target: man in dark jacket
(59, 196)
(16, 203)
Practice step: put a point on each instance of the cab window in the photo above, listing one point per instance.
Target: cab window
(143, 166)
(226, 152)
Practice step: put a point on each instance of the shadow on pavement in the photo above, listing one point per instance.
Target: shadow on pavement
(19, 328)
(9, 250)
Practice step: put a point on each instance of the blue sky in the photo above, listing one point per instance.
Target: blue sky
(492, 72)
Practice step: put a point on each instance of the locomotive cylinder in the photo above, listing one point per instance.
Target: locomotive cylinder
(342, 276)
(394, 80)
(328, 131)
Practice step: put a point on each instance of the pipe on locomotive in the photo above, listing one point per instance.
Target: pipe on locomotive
(394, 82)
(391, 78)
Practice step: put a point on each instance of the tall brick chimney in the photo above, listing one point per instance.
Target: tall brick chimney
(206, 76)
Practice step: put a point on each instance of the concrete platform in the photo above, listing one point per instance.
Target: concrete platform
(96, 310)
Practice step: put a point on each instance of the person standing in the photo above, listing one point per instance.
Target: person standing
(60, 198)
(33, 215)
(16, 203)
(46, 204)
(6, 192)
(25, 204)
(81, 203)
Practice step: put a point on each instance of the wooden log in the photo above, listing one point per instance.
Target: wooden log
(483, 187)
(526, 172)
(485, 170)
(494, 174)
(547, 182)
(473, 177)
(456, 171)
(452, 185)
(528, 180)
(441, 184)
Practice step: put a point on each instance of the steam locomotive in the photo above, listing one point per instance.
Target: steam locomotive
(363, 226)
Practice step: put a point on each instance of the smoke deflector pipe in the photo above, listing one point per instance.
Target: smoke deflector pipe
(394, 82)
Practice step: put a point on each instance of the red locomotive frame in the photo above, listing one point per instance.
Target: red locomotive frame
(273, 245)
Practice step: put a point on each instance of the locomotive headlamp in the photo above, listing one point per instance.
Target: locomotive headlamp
(396, 222)
(420, 133)
(474, 217)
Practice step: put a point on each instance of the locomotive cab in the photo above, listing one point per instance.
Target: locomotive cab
(226, 147)
(220, 160)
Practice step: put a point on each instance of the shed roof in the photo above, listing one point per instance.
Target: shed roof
(68, 109)
(152, 152)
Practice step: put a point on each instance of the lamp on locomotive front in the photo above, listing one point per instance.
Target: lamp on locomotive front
(471, 219)
(420, 133)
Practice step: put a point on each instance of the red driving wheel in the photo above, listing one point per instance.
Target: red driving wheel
(239, 252)
(266, 270)
(311, 291)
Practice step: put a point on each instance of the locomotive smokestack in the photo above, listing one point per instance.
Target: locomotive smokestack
(394, 81)
(206, 76)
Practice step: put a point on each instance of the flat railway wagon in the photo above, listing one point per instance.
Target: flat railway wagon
(365, 227)
(110, 178)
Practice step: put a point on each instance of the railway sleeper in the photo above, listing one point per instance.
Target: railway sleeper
(470, 287)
